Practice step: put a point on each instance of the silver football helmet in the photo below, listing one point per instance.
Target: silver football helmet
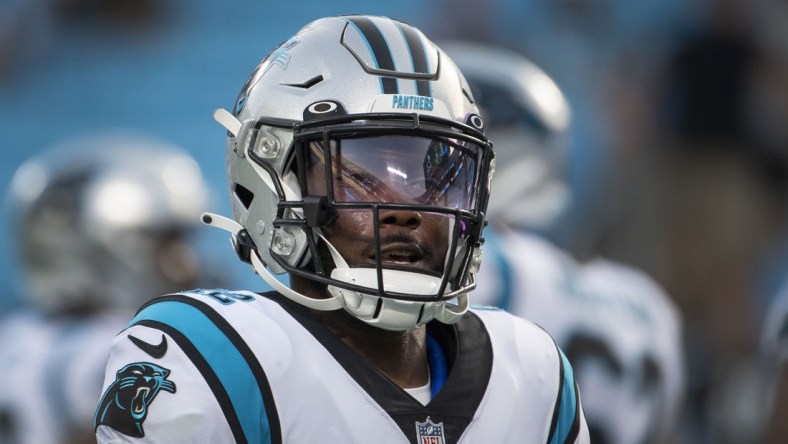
(359, 116)
(528, 118)
(102, 221)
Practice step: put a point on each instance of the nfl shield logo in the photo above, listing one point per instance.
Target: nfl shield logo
(428, 432)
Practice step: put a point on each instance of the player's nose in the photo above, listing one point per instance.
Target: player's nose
(401, 217)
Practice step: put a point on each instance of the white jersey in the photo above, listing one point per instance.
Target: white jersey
(217, 366)
(51, 370)
(618, 328)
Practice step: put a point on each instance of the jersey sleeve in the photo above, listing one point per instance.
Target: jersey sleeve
(532, 382)
(569, 422)
(180, 374)
(158, 399)
(539, 353)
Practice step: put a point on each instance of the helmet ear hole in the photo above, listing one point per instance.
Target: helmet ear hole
(244, 195)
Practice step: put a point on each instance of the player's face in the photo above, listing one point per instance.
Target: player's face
(409, 239)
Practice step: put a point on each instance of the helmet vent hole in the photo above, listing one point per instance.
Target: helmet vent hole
(244, 195)
(309, 83)
(468, 95)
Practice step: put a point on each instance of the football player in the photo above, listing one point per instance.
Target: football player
(619, 329)
(101, 221)
(358, 165)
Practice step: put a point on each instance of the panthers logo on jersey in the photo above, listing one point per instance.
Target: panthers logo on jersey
(124, 405)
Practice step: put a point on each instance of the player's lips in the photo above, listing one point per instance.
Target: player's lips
(400, 253)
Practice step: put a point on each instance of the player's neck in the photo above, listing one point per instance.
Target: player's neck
(400, 355)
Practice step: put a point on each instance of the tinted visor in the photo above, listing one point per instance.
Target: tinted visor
(397, 169)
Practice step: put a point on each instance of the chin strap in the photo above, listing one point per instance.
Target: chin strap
(234, 228)
(395, 315)
(449, 314)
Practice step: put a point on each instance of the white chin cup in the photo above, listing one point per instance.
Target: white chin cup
(393, 314)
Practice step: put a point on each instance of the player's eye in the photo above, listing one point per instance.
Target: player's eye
(363, 179)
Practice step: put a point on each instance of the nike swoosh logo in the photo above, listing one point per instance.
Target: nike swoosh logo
(155, 350)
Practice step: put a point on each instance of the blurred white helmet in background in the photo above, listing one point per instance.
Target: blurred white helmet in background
(102, 221)
(527, 120)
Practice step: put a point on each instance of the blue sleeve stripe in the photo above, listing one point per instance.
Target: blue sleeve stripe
(224, 359)
(567, 412)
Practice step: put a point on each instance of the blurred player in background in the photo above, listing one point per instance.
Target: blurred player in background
(101, 222)
(620, 330)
